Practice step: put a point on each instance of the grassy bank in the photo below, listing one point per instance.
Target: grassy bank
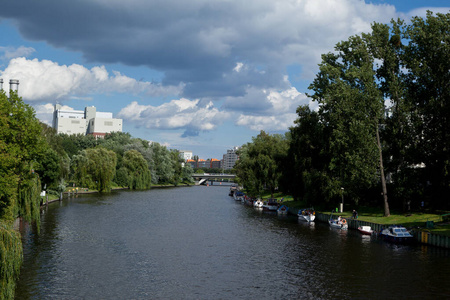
(414, 219)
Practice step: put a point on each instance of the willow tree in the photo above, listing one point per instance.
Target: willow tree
(352, 106)
(101, 167)
(136, 167)
(21, 145)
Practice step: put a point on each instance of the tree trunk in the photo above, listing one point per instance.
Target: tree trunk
(387, 213)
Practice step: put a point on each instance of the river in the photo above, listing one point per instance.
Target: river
(198, 243)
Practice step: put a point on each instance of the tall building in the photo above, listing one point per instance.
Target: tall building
(185, 155)
(230, 158)
(86, 122)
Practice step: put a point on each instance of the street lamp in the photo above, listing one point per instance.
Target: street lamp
(342, 204)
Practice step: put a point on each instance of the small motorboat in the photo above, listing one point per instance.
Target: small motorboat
(306, 214)
(233, 189)
(258, 203)
(238, 196)
(338, 223)
(397, 234)
(270, 205)
(282, 210)
(367, 230)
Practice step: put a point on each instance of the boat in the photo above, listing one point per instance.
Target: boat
(233, 189)
(258, 203)
(397, 234)
(238, 196)
(249, 201)
(282, 210)
(270, 205)
(306, 214)
(338, 223)
(367, 230)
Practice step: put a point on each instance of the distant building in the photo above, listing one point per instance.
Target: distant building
(215, 163)
(185, 155)
(85, 122)
(192, 162)
(230, 158)
(203, 164)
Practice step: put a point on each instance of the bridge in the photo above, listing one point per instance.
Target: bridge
(204, 177)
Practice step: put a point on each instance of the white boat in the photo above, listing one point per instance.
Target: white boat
(367, 230)
(339, 223)
(282, 210)
(306, 214)
(258, 203)
(270, 205)
(397, 234)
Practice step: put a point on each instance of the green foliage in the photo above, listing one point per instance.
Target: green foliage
(259, 163)
(135, 170)
(21, 145)
(49, 167)
(10, 260)
(101, 167)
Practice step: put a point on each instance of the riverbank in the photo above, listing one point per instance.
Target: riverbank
(427, 227)
(74, 192)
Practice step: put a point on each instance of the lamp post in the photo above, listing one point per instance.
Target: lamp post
(342, 204)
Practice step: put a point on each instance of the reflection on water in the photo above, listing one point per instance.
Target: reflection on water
(198, 243)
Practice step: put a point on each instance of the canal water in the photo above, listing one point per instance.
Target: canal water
(198, 243)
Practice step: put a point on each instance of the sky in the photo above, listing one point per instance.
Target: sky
(199, 75)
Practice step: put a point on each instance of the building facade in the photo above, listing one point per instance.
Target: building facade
(230, 158)
(185, 155)
(85, 122)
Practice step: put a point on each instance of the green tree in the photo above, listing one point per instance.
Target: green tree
(427, 59)
(352, 105)
(137, 171)
(101, 167)
(162, 168)
(21, 144)
(306, 167)
(259, 162)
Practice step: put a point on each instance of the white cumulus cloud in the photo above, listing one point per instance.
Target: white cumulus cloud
(46, 80)
(12, 52)
(190, 115)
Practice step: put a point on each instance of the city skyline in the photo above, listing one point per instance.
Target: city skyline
(200, 76)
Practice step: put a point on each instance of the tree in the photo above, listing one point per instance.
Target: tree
(427, 59)
(306, 167)
(259, 162)
(353, 107)
(21, 144)
(138, 174)
(101, 167)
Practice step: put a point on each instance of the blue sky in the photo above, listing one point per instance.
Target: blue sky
(199, 75)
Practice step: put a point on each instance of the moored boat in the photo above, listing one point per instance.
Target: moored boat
(282, 210)
(367, 230)
(233, 189)
(270, 205)
(338, 223)
(258, 203)
(306, 214)
(397, 234)
(238, 196)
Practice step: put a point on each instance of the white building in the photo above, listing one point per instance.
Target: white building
(88, 121)
(185, 155)
(230, 158)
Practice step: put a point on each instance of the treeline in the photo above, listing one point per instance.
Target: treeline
(117, 160)
(381, 133)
